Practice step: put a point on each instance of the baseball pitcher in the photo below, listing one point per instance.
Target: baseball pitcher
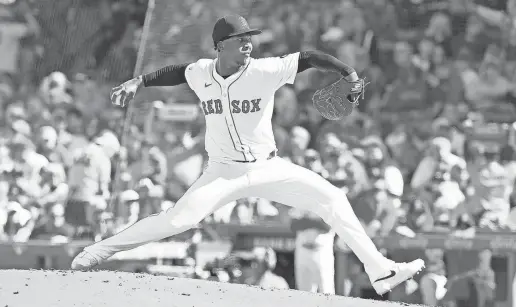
(236, 94)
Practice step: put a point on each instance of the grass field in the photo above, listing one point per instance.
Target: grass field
(38, 288)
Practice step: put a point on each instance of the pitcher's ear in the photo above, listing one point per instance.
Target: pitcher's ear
(219, 47)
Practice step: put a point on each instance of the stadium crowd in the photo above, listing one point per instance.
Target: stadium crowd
(430, 148)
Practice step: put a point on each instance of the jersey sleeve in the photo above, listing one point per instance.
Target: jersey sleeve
(196, 73)
(280, 70)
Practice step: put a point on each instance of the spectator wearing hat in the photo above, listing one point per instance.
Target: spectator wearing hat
(89, 180)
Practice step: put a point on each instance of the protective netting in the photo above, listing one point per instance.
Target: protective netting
(180, 32)
(89, 37)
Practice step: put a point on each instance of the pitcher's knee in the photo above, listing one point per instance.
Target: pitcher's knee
(336, 207)
(338, 198)
(184, 220)
(182, 225)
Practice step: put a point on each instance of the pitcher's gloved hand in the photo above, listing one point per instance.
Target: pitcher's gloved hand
(121, 95)
(337, 100)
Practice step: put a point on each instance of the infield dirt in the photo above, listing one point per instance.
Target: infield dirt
(38, 288)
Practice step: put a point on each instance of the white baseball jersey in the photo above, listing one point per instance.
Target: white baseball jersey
(238, 109)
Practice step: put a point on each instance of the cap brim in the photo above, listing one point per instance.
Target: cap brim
(247, 32)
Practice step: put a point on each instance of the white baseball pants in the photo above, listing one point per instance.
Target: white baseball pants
(274, 179)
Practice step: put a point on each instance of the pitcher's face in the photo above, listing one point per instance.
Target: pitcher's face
(238, 48)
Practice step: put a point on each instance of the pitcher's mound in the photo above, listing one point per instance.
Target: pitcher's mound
(39, 288)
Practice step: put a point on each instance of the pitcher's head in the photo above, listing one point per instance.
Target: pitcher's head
(232, 38)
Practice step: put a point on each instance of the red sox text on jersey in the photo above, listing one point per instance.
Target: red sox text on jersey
(214, 106)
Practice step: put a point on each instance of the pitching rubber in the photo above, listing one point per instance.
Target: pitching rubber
(104, 288)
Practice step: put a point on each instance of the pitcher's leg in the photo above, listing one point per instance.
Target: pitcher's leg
(296, 186)
(208, 193)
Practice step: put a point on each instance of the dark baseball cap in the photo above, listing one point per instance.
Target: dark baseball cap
(231, 26)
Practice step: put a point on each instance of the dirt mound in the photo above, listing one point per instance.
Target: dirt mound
(38, 288)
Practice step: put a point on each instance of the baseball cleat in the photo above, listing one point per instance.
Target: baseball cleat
(84, 261)
(400, 273)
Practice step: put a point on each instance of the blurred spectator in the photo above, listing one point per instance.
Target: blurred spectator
(314, 260)
(17, 23)
(486, 88)
(53, 186)
(481, 281)
(440, 31)
(17, 222)
(438, 162)
(444, 80)
(89, 180)
(257, 266)
(51, 225)
(300, 138)
(71, 132)
(47, 145)
(493, 187)
(150, 197)
(438, 180)
(151, 164)
(423, 58)
(405, 149)
(26, 165)
(384, 176)
(341, 167)
(433, 282)
(286, 108)
(312, 160)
